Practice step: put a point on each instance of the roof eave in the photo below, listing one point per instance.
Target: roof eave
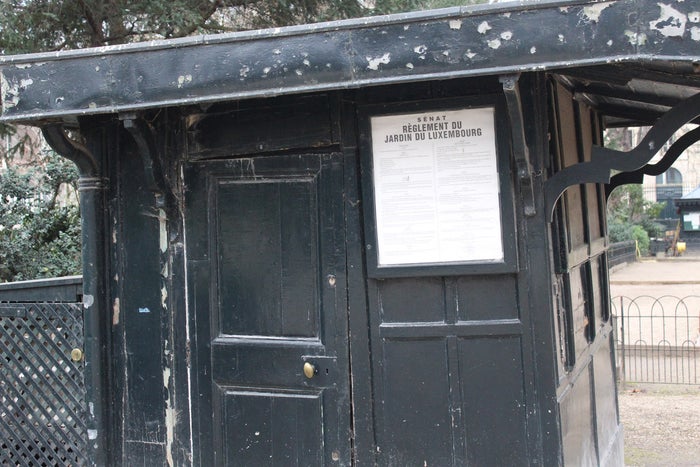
(441, 44)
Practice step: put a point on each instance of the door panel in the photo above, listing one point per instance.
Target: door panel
(273, 265)
(417, 405)
(272, 427)
(274, 254)
(451, 388)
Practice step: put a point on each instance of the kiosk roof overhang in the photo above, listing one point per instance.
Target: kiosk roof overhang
(632, 59)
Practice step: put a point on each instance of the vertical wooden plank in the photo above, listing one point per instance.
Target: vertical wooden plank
(361, 378)
(140, 304)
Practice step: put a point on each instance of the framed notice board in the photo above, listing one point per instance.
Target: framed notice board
(437, 196)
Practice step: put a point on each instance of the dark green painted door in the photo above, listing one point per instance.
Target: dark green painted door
(267, 294)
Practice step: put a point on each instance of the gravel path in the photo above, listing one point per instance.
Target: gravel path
(662, 425)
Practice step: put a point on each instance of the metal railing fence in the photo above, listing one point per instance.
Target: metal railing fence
(657, 338)
(622, 252)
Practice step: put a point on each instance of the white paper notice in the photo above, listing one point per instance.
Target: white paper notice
(436, 187)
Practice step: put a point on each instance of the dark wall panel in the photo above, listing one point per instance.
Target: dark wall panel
(244, 128)
(417, 415)
(487, 298)
(412, 300)
(493, 401)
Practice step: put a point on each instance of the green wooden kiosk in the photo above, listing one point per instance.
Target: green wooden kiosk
(369, 242)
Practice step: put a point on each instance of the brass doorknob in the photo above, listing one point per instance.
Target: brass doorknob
(310, 370)
(76, 355)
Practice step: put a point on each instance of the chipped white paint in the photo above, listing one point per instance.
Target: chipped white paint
(671, 22)
(446, 53)
(92, 434)
(163, 231)
(506, 15)
(115, 312)
(245, 69)
(277, 51)
(170, 422)
(92, 105)
(374, 62)
(88, 300)
(420, 49)
(592, 12)
(560, 37)
(610, 43)
(164, 297)
(97, 68)
(298, 72)
(409, 65)
(9, 94)
(483, 27)
(306, 62)
(266, 70)
(533, 50)
(494, 43)
(25, 83)
(91, 407)
(455, 24)
(695, 33)
(506, 35)
(170, 418)
(183, 79)
(694, 16)
(636, 38)
(470, 54)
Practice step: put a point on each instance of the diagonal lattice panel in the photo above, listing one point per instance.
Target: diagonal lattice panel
(42, 391)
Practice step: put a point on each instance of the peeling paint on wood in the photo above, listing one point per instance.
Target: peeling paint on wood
(592, 12)
(115, 312)
(373, 63)
(163, 230)
(455, 24)
(671, 22)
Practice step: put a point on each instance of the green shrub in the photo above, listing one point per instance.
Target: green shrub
(642, 238)
(39, 237)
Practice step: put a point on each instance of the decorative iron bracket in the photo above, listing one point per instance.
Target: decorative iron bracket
(55, 136)
(520, 149)
(637, 176)
(145, 142)
(143, 136)
(604, 160)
